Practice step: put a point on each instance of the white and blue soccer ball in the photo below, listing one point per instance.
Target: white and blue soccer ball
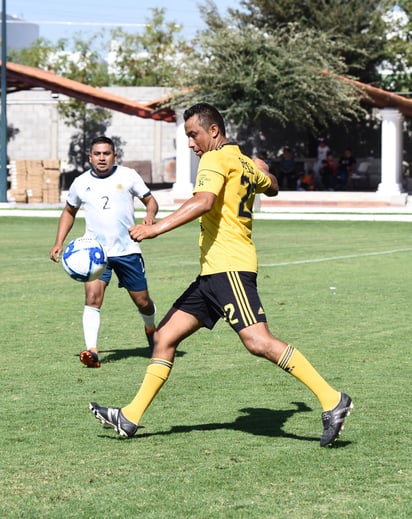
(84, 259)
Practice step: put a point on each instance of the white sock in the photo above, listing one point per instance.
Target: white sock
(149, 320)
(91, 326)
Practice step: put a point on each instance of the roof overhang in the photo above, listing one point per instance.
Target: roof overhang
(382, 98)
(21, 77)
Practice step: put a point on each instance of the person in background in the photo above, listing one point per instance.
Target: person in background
(346, 167)
(107, 192)
(226, 287)
(322, 153)
(328, 172)
(306, 181)
(287, 170)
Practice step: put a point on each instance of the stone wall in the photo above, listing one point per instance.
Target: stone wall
(42, 134)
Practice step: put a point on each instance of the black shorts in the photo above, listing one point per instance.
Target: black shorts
(231, 296)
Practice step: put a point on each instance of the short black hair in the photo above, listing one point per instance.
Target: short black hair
(208, 115)
(102, 139)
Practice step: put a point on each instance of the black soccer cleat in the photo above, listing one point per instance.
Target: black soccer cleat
(333, 420)
(114, 417)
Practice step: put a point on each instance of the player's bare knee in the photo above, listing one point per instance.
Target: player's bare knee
(94, 300)
(163, 349)
(143, 302)
(146, 307)
(255, 348)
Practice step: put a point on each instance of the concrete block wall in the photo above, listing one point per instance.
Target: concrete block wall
(44, 136)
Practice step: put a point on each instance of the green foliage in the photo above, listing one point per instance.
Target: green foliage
(38, 54)
(84, 61)
(152, 58)
(255, 76)
(76, 59)
(356, 26)
(230, 436)
(398, 64)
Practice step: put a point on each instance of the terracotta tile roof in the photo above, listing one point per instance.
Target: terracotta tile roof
(20, 77)
(383, 99)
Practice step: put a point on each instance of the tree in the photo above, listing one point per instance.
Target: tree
(396, 70)
(256, 76)
(81, 61)
(357, 27)
(38, 54)
(152, 58)
(75, 59)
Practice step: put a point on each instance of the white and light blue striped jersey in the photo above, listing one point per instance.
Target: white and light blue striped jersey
(108, 204)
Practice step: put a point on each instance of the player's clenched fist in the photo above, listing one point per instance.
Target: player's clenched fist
(141, 232)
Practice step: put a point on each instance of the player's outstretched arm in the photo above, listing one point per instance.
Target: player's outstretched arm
(199, 204)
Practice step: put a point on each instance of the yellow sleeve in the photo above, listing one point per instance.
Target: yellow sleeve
(210, 175)
(263, 182)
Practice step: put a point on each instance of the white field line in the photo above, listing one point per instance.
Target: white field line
(353, 217)
(299, 217)
(334, 258)
(391, 216)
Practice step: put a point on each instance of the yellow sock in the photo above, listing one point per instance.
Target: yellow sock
(297, 365)
(156, 375)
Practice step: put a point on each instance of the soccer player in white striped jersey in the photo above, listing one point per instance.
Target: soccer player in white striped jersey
(106, 192)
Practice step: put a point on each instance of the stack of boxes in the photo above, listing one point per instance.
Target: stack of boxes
(34, 181)
(51, 182)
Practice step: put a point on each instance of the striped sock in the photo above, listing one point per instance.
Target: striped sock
(293, 362)
(156, 375)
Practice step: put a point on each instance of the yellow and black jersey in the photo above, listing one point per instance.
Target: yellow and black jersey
(225, 237)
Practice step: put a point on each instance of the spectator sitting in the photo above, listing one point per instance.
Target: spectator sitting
(287, 170)
(346, 167)
(306, 181)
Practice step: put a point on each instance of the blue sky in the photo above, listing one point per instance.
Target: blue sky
(66, 17)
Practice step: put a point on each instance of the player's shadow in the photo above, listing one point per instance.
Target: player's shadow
(256, 421)
(107, 356)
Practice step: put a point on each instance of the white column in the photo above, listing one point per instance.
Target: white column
(157, 152)
(391, 162)
(183, 186)
(54, 132)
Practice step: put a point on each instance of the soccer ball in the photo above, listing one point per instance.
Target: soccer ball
(84, 259)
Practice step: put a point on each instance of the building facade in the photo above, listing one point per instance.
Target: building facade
(40, 133)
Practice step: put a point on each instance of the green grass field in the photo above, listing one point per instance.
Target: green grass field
(230, 435)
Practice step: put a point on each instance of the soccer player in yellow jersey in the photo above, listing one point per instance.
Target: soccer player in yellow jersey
(226, 287)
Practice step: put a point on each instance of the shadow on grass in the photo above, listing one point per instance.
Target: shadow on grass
(257, 421)
(107, 356)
